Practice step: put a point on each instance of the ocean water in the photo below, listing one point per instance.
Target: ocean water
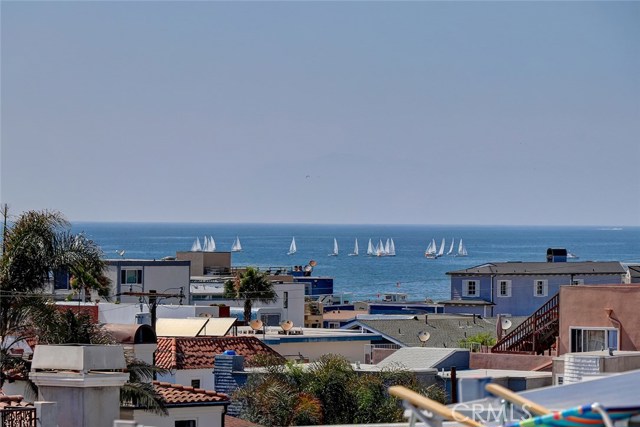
(266, 245)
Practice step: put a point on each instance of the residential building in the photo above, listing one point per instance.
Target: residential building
(166, 277)
(519, 288)
(187, 407)
(190, 361)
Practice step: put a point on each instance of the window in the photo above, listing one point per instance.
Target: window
(470, 288)
(593, 339)
(131, 276)
(186, 423)
(285, 300)
(577, 281)
(61, 279)
(334, 325)
(195, 383)
(540, 288)
(504, 288)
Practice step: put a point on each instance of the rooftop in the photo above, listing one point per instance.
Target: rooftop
(200, 352)
(544, 268)
(181, 395)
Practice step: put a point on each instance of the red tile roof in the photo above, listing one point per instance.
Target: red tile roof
(199, 352)
(12, 401)
(230, 421)
(176, 394)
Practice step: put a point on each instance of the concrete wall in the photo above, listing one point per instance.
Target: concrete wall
(584, 306)
(209, 416)
(98, 407)
(523, 362)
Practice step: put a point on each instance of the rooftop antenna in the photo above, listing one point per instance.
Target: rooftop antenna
(424, 336)
(120, 252)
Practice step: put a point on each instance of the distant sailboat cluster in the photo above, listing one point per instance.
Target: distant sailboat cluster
(381, 249)
(208, 246)
(434, 252)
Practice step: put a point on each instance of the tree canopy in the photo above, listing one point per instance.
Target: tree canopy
(250, 286)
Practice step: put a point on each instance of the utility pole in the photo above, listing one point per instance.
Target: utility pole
(154, 298)
(5, 214)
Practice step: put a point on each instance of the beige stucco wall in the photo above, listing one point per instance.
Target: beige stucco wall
(210, 416)
(200, 260)
(584, 306)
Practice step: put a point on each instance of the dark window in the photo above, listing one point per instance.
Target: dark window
(195, 383)
(61, 279)
(185, 423)
(285, 303)
(131, 277)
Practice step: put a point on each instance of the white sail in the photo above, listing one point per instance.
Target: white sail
(431, 249)
(236, 247)
(392, 248)
(370, 250)
(212, 244)
(196, 246)
(451, 247)
(462, 251)
(206, 246)
(292, 247)
(355, 249)
(441, 251)
(387, 247)
(380, 248)
(335, 248)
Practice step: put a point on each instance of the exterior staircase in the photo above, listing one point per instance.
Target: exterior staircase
(535, 335)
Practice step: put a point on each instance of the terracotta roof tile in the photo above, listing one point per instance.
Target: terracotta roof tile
(176, 394)
(199, 352)
(230, 421)
(12, 401)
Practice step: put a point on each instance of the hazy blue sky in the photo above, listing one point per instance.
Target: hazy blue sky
(323, 112)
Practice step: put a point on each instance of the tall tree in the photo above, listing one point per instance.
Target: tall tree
(35, 246)
(250, 286)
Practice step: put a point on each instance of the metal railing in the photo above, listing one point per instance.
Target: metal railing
(18, 417)
(525, 338)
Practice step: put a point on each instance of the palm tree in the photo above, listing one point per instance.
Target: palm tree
(251, 285)
(35, 245)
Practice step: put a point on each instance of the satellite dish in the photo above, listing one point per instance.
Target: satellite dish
(286, 325)
(505, 324)
(424, 336)
(205, 315)
(256, 324)
(120, 252)
(312, 263)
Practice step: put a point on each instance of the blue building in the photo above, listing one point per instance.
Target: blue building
(519, 288)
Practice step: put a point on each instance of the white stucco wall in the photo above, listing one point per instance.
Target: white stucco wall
(184, 377)
(205, 416)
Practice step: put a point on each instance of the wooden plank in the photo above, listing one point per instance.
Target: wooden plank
(514, 398)
(424, 402)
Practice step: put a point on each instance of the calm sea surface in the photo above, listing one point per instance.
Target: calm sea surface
(366, 277)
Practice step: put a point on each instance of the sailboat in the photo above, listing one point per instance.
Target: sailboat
(380, 248)
(462, 251)
(335, 248)
(236, 247)
(370, 250)
(450, 252)
(392, 248)
(196, 246)
(355, 249)
(432, 249)
(292, 247)
(441, 251)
